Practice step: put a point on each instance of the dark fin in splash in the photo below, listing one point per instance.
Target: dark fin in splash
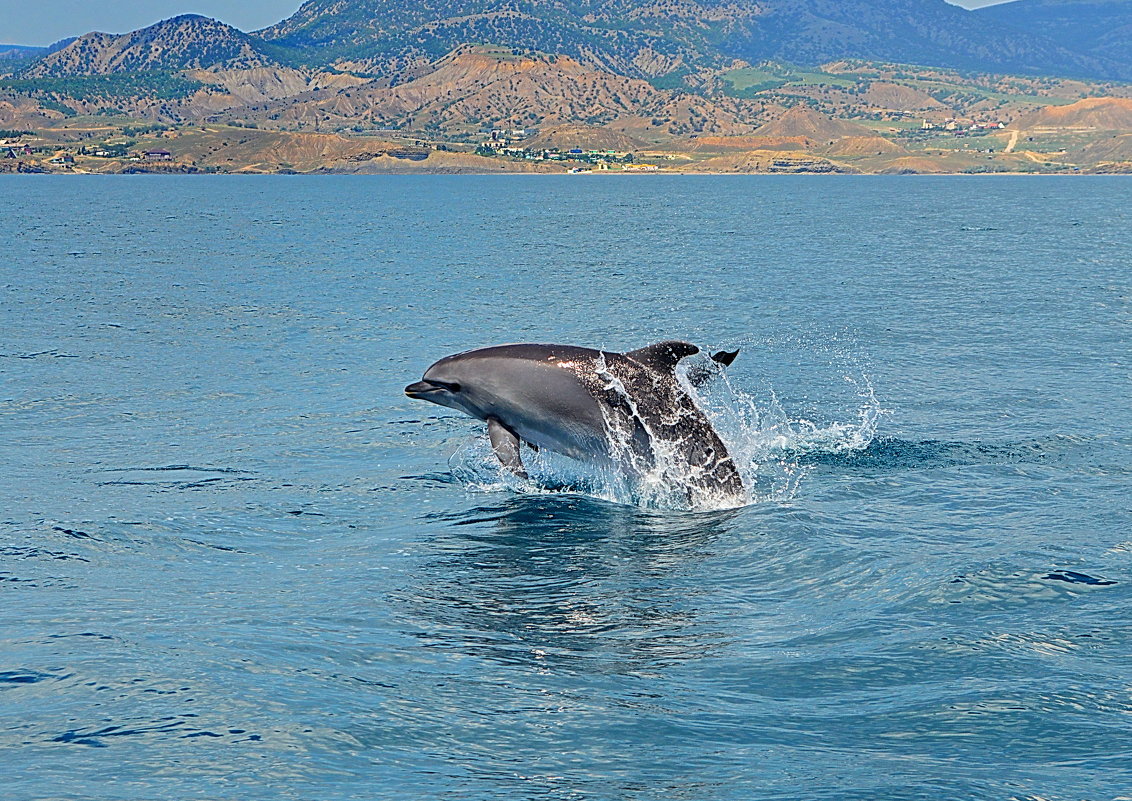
(700, 374)
(663, 356)
(725, 357)
(505, 445)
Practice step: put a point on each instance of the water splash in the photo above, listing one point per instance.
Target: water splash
(769, 445)
(771, 448)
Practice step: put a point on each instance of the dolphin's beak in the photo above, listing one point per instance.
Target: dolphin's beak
(420, 389)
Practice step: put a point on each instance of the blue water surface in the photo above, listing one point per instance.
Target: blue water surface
(237, 563)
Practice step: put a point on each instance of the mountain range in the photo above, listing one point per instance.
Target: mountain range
(855, 80)
(659, 40)
(186, 42)
(1102, 28)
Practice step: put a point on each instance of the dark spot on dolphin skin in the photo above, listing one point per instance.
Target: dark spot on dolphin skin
(1078, 578)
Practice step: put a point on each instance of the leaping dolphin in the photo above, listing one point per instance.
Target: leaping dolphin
(625, 410)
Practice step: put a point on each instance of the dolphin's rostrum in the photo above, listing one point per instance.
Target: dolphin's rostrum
(622, 410)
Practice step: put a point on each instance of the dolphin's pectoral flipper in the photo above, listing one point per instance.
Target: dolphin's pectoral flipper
(663, 356)
(725, 357)
(506, 447)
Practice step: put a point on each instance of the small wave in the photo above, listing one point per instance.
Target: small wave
(172, 467)
(1073, 577)
(889, 453)
(30, 552)
(51, 354)
(994, 585)
(29, 676)
(74, 532)
(185, 726)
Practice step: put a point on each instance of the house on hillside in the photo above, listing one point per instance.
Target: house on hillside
(158, 155)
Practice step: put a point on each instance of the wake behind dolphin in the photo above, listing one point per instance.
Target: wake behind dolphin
(621, 411)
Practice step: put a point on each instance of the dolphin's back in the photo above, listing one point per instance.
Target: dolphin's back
(530, 353)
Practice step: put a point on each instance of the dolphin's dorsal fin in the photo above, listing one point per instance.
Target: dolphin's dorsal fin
(663, 356)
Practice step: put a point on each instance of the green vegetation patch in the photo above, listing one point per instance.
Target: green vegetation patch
(160, 85)
(750, 81)
(673, 80)
(509, 53)
(51, 104)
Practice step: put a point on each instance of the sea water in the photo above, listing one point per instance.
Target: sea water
(238, 563)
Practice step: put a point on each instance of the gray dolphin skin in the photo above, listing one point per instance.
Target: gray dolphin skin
(625, 410)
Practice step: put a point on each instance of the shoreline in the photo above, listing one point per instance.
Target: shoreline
(602, 174)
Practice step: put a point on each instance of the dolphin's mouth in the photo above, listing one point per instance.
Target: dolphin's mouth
(421, 389)
(425, 388)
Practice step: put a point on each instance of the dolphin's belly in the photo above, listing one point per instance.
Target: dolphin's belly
(577, 442)
(553, 408)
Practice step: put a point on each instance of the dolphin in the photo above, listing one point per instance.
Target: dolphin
(622, 410)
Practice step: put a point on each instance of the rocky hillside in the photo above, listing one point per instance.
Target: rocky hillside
(630, 37)
(803, 121)
(567, 137)
(672, 43)
(689, 76)
(185, 42)
(928, 32)
(1117, 148)
(474, 87)
(659, 38)
(1100, 27)
(1094, 113)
